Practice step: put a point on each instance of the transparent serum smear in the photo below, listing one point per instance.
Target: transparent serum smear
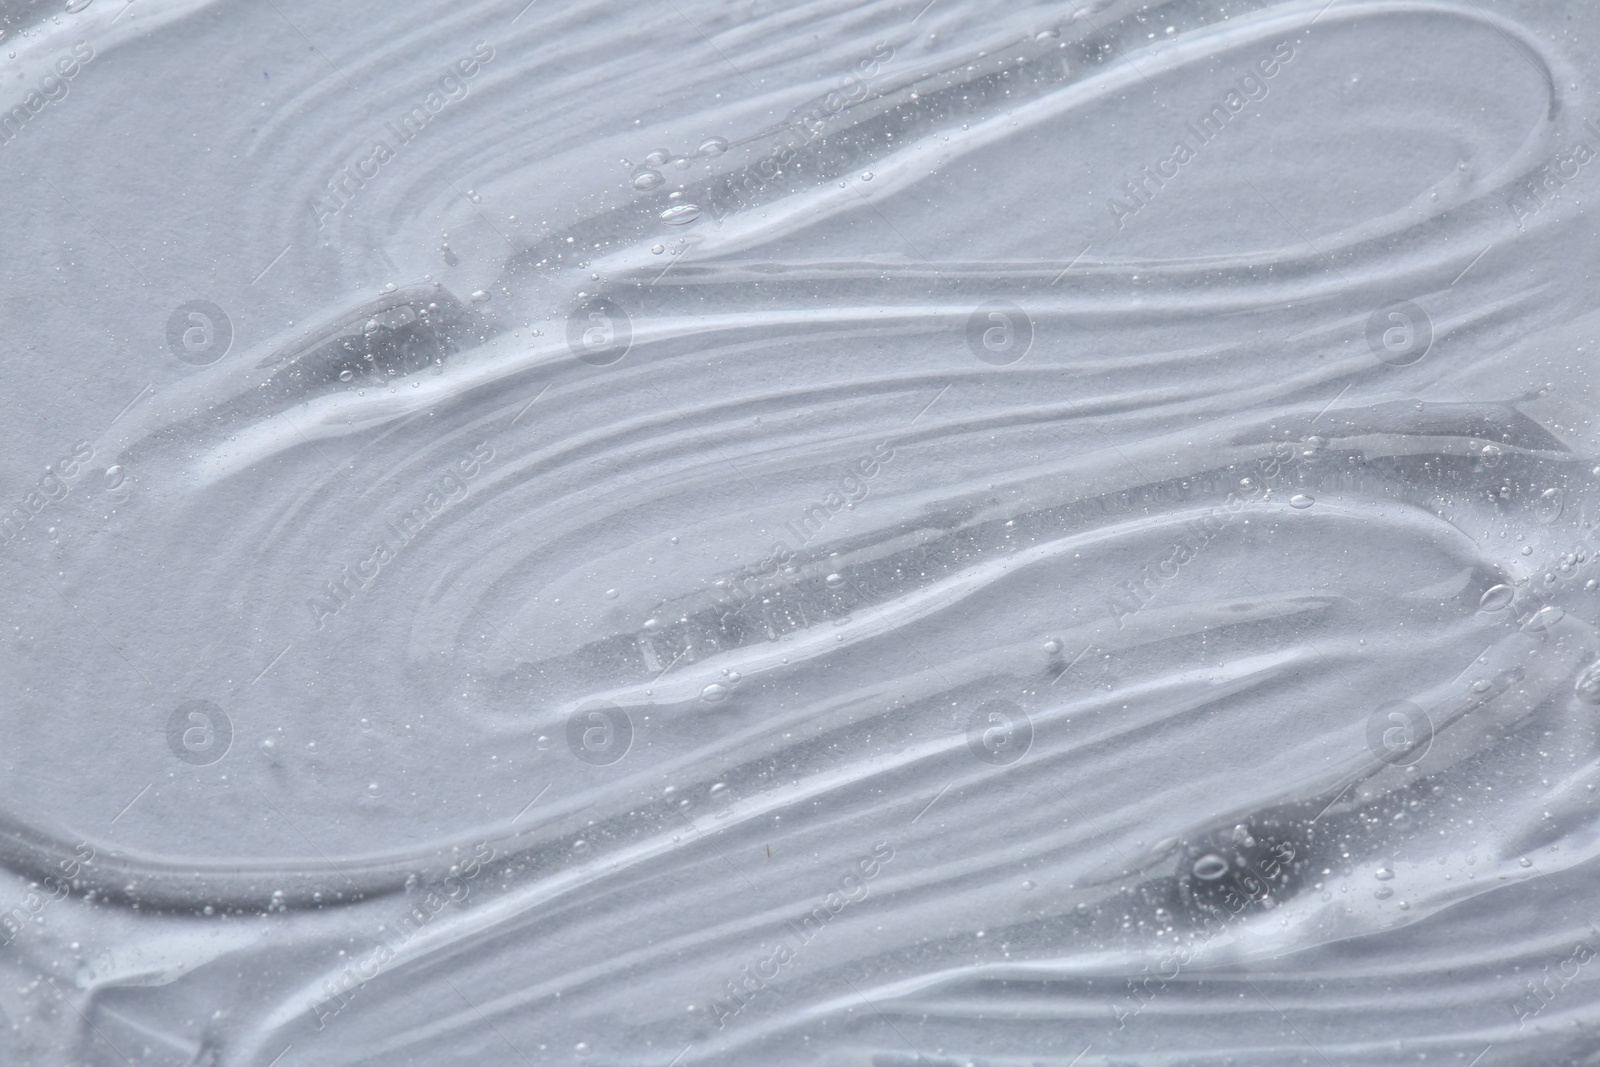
(611, 260)
(780, 701)
(802, 172)
(1270, 859)
(886, 577)
(760, 617)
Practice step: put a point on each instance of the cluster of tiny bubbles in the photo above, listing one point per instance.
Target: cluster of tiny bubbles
(1248, 865)
(649, 177)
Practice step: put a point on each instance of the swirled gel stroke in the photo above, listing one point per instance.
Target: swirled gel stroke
(827, 533)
